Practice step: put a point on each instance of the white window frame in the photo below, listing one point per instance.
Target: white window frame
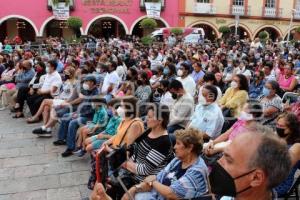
(270, 4)
(238, 2)
(203, 1)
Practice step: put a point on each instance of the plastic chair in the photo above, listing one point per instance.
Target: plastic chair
(294, 191)
(291, 96)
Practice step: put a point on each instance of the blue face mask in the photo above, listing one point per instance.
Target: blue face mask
(266, 92)
(166, 71)
(110, 112)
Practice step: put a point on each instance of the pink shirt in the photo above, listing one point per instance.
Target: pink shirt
(238, 127)
(285, 83)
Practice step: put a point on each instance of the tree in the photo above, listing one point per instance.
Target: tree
(225, 30)
(75, 23)
(148, 25)
(177, 31)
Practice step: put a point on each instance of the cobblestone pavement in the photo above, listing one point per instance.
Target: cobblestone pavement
(32, 168)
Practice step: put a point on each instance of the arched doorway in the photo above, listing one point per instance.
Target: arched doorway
(210, 32)
(59, 28)
(273, 33)
(13, 27)
(106, 27)
(138, 31)
(241, 32)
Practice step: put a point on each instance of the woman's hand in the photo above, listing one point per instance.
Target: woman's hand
(208, 148)
(150, 178)
(131, 191)
(99, 193)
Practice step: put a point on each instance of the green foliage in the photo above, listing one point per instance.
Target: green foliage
(148, 23)
(74, 22)
(177, 31)
(263, 35)
(224, 30)
(55, 2)
(147, 40)
(298, 29)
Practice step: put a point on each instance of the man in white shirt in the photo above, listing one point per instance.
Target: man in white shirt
(50, 88)
(269, 72)
(187, 81)
(111, 81)
(208, 116)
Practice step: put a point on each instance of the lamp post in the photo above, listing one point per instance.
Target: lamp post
(290, 26)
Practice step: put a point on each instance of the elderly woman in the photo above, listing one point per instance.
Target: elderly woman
(185, 177)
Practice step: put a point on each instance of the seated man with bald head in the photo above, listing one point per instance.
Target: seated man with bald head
(252, 165)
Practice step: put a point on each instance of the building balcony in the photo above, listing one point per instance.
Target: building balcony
(297, 14)
(71, 4)
(240, 10)
(143, 7)
(272, 12)
(204, 8)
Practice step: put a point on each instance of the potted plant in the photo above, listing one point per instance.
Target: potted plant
(225, 30)
(147, 40)
(296, 33)
(148, 25)
(75, 23)
(177, 31)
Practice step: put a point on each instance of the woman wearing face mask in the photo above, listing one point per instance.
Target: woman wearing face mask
(187, 81)
(170, 72)
(236, 96)
(68, 88)
(130, 128)
(287, 81)
(143, 91)
(271, 103)
(287, 128)
(251, 113)
(152, 151)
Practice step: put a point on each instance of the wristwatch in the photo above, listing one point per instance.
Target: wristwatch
(138, 188)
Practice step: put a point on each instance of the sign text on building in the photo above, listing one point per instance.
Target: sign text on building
(108, 6)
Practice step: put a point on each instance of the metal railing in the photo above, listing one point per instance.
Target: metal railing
(204, 8)
(240, 10)
(272, 12)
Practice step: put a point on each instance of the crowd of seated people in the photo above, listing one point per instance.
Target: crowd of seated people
(196, 121)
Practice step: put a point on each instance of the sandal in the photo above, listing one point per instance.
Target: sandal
(16, 116)
(32, 120)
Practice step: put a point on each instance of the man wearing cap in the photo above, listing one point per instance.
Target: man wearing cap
(71, 121)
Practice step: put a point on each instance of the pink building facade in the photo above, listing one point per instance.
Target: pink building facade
(127, 13)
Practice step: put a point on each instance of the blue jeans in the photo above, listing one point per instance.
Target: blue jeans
(68, 128)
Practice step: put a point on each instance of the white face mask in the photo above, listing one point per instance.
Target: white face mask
(180, 73)
(234, 84)
(98, 70)
(245, 116)
(47, 70)
(86, 86)
(121, 112)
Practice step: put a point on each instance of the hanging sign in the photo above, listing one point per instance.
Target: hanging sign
(61, 11)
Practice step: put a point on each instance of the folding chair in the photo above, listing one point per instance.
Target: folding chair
(294, 191)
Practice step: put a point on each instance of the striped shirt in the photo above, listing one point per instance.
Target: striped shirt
(151, 155)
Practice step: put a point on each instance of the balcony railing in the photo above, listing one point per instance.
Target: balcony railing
(50, 4)
(204, 8)
(143, 8)
(297, 14)
(272, 12)
(240, 10)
